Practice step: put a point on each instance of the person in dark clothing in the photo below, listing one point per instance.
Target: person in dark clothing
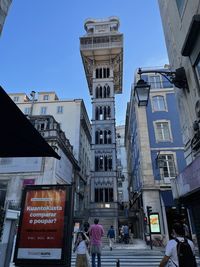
(86, 227)
(111, 236)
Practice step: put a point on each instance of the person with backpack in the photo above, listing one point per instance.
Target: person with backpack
(179, 251)
(111, 236)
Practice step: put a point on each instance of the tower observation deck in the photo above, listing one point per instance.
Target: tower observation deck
(103, 44)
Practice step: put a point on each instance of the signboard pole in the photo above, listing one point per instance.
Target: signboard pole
(149, 210)
(150, 237)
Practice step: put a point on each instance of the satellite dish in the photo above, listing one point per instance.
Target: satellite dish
(197, 108)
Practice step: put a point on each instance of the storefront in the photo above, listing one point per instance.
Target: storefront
(188, 193)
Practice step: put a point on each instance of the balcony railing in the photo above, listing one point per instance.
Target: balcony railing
(101, 45)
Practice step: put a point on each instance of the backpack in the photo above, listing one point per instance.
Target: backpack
(185, 255)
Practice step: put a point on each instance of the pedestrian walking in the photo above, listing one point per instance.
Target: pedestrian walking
(111, 236)
(86, 227)
(186, 229)
(126, 211)
(179, 250)
(96, 232)
(126, 234)
(81, 249)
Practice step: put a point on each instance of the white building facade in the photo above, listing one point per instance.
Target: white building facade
(74, 122)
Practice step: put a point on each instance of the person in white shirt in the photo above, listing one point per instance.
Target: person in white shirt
(171, 256)
(81, 243)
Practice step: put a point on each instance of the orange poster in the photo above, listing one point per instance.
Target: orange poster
(42, 225)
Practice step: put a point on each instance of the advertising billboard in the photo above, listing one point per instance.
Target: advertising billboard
(44, 235)
(154, 223)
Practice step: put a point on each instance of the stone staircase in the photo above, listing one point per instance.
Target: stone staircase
(106, 222)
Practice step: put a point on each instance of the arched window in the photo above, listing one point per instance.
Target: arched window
(110, 163)
(109, 137)
(96, 137)
(102, 73)
(108, 72)
(100, 113)
(108, 113)
(100, 137)
(103, 163)
(99, 93)
(105, 137)
(106, 91)
(97, 113)
(97, 73)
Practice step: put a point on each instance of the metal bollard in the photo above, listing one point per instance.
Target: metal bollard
(117, 263)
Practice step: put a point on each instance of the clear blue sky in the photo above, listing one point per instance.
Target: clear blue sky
(39, 45)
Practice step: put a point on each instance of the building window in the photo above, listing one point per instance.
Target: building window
(103, 113)
(103, 163)
(180, 5)
(60, 109)
(27, 111)
(46, 97)
(102, 73)
(99, 91)
(43, 111)
(158, 103)
(168, 170)
(106, 91)
(3, 189)
(103, 194)
(162, 131)
(16, 98)
(103, 137)
(155, 81)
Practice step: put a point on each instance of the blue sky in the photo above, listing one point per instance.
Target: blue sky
(39, 45)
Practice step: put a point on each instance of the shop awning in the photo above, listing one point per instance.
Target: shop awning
(167, 198)
(18, 137)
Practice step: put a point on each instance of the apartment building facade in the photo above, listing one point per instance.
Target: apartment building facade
(155, 155)
(181, 25)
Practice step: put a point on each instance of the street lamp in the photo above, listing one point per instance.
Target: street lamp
(142, 88)
(142, 92)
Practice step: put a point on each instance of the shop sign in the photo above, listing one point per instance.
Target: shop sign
(154, 223)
